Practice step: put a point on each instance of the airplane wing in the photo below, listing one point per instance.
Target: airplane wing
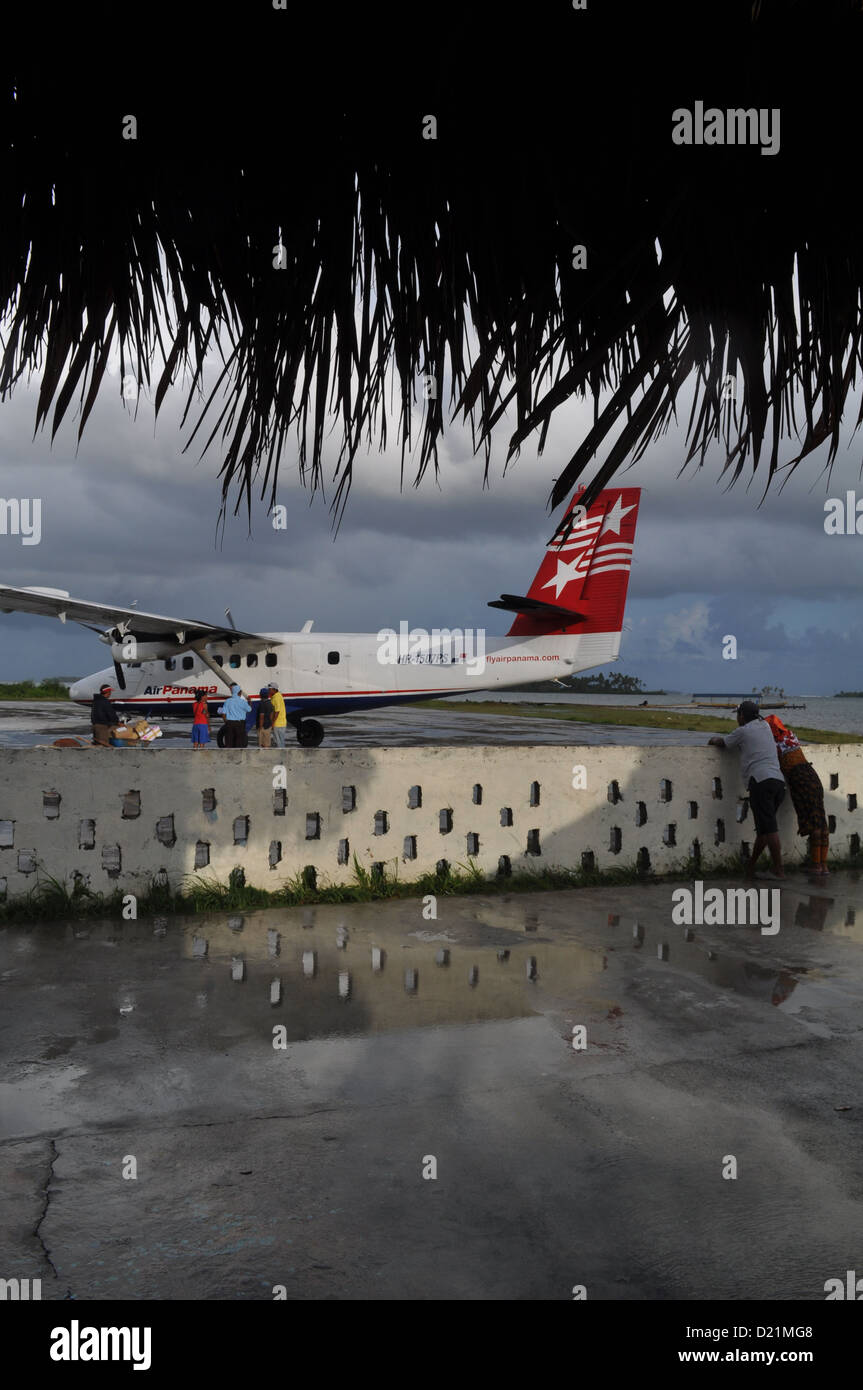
(56, 603)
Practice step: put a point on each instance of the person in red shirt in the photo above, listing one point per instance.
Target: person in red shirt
(200, 721)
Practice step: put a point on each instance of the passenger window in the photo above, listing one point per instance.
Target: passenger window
(333, 658)
(171, 663)
(234, 662)
(271, 659)
(188, 663)
(219, 660)
(252, 659)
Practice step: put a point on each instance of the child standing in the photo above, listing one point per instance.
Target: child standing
(200, 721)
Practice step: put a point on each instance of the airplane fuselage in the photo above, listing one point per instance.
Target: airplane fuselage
(333, 673)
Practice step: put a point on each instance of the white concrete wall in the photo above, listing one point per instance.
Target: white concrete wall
(91, 785)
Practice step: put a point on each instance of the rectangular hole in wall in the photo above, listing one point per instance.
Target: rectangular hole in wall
(854, 844)
(642, 860)
(378, 875)
(640, 812)
(51, 805)
(472, 843)
(165, 831)
(695, 852)
(112, 860)
(441, 868)
(614, 792)
(241, 830)
(831, 824)
(693, 810)
(534, 794)
(719, 837)
(745, 851)
(202, 854)
(506, 815)
(131, 806)
(86, 834)
(4, 887)
(313, 825)
(382, 823)
(310, 878)
(275, 852)
(852, 801)
(445, 821)
(533, 842)
(280, 801)
(344, 851)
(208, 800)
(477, 794)
(665, 789)
(415, 798)
(742, 810)
(7, 834)
(26, 861)
(349, 799)
(588, 861)
(717, 788)
(409, 849)
(616, 840)
(504, 867)
(834, 781)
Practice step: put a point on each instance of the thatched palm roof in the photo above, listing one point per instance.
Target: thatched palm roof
(451, 257)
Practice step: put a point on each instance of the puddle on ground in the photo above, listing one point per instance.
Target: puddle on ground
(213, 981)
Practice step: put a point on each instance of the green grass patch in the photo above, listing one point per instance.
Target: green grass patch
(52, 900)
(632, 718)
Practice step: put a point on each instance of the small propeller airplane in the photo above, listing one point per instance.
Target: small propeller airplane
(570, 620)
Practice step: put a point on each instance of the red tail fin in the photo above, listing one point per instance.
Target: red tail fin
(587, 575)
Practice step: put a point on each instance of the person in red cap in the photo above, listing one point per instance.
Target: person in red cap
(103, 717)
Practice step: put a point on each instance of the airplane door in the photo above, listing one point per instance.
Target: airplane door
(307, 666)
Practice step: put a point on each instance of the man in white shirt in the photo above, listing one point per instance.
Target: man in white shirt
(759, 765)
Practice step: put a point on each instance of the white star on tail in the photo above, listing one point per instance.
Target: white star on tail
(566, 572)
(615, 517)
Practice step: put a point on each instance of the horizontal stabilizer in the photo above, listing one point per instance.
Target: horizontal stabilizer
(538, 608)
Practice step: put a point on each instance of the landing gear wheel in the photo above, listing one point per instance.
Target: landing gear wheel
(310, 733)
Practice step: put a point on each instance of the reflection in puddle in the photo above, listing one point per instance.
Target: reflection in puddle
(382, 975)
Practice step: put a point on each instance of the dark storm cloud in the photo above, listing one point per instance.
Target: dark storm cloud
(131, 517)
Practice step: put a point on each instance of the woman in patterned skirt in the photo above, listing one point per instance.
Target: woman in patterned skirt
(807, 793)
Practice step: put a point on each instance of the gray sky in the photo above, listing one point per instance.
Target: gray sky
(129, 516)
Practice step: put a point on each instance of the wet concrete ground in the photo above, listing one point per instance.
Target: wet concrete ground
(409, 1039)
(24, 724)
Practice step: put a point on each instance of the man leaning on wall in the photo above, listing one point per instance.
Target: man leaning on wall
(759, 765)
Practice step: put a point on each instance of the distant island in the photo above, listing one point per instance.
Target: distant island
(849, 695)
(599, 684)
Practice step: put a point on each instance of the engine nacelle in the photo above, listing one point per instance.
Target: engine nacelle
(130, 649)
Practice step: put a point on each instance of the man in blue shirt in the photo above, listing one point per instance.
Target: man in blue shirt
(235, 709)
